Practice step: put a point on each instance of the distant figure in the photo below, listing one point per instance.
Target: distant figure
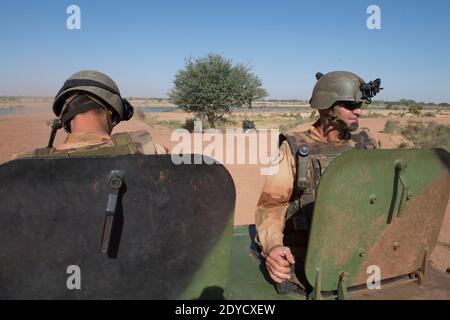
(248, 125)
(88, 106)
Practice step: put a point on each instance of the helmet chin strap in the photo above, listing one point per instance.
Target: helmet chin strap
(110, 122)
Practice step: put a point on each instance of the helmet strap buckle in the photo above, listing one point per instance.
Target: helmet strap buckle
(57, 124)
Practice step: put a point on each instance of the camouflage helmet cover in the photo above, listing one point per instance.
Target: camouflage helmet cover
(92, 82)
(336, 86)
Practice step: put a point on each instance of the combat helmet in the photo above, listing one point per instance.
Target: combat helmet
(341, 86)
(100, 86)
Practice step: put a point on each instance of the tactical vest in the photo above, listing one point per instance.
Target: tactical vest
(124, 143)
(311, 159)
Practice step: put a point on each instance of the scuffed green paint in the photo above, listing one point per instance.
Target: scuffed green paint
(345, 222)
(214, 271)
(247, 281)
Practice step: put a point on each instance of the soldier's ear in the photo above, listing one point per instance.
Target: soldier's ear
(327, 112)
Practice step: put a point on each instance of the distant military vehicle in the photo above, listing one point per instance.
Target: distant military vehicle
(248, 125)
(141, 227)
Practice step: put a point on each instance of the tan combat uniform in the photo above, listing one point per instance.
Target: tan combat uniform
(276, 194)
(86, 141)
(81, 141)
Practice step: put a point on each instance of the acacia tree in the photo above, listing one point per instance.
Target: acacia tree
(253, 89)
(211, 86)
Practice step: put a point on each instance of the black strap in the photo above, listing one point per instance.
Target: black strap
(85, 83)
(80, 109)
(363, 140)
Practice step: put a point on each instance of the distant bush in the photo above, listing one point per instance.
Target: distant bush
(414, 109)
(403, 145)
(391, 126)
(429, 114)
(171, 124)
(372, 115)
(431, 135)
(313, 116)
(189, 124)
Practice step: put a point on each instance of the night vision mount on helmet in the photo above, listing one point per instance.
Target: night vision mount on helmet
(342, 86)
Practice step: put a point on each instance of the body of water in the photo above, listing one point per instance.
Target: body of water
(7, 111)
(159, 109)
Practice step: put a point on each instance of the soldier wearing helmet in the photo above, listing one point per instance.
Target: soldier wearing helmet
(285, 206)
(88, 106)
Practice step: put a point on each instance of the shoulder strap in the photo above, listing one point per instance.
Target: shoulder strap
(123, 145)
(310, 161)
(144, 141)
(302, 156)
(363, 140)
(121, 139)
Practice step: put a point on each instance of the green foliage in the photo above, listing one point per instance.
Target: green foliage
(189, 124)
(404, 103)
(429, 114)
(393, 106)
(153, 121)
(288, 125)
(171, 124)
(427, 136)
(313, 116)
(414, 109)
(372, 115)
(211, 86)
(252, 89)
(391, 126)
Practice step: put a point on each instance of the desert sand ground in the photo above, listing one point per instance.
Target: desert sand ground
(23, 132)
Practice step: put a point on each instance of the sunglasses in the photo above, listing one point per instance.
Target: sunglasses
(352, 105)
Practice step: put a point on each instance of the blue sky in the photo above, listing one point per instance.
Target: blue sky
(141, 44)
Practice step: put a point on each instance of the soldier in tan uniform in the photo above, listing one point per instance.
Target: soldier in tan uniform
(285, 205)
(88, 106)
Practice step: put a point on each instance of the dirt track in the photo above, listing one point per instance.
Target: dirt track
(24, 132)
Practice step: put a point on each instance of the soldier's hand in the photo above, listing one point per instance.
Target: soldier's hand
(278, 261)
